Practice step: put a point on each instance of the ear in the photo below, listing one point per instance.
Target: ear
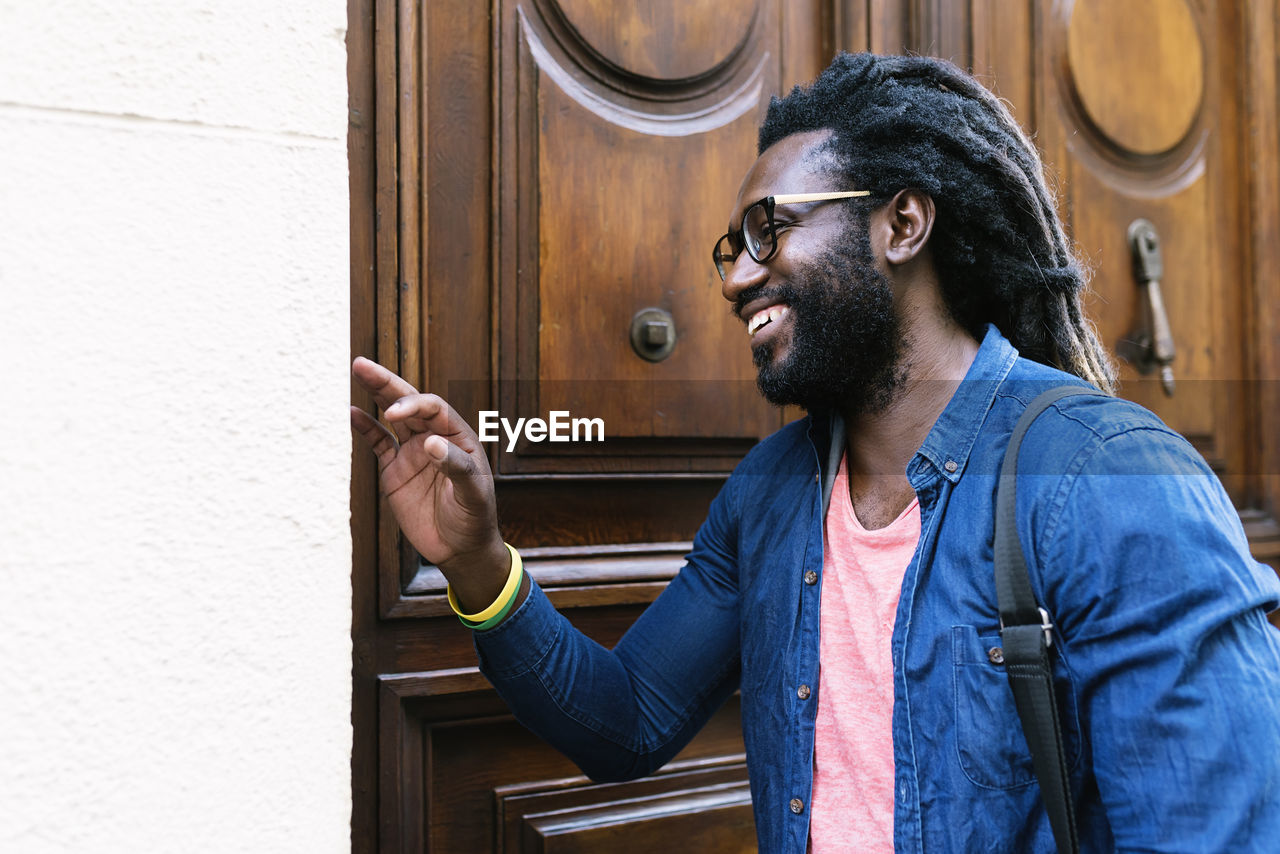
(910, 219)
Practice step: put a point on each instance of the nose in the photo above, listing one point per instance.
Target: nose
(743, 273)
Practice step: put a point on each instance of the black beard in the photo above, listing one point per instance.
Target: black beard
(845, 347)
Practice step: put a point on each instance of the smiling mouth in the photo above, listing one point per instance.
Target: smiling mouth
(765, 316)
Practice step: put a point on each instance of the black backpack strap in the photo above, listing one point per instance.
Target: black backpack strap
(1026, 636)
(834, 452)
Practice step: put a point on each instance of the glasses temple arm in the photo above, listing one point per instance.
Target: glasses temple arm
(791, 198)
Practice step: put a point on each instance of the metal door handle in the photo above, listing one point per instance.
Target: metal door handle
(1150, 345)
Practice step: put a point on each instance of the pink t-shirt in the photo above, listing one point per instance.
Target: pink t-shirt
(853, 781)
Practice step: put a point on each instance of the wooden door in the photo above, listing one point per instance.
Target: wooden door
(528, 175)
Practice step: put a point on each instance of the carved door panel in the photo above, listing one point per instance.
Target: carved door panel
(1140, 114)
(1140, 111)
(629, 126)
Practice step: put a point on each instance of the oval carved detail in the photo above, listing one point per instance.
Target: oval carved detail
(1137, 69)
(661, 39)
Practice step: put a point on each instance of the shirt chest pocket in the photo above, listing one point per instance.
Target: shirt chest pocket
(989, 743)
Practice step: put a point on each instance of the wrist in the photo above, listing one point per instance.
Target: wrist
(477, 577)
(500, 607)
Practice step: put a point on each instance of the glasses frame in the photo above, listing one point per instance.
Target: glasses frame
(723, 260)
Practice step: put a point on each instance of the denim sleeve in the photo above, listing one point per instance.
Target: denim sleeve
(1162, 611)
(622, 714)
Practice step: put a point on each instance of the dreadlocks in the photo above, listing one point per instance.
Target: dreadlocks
(998, 245)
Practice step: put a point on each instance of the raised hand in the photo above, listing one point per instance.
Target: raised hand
(437, 480)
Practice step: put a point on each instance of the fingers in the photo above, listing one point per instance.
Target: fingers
(408, 413)
(385, 386)
(375, 435)
(405, 407)
(429, 413)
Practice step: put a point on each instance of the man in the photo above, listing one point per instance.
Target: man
(890, 248)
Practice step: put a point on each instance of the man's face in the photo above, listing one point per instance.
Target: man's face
(820, 311)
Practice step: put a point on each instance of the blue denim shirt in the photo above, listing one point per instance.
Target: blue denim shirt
(1167, 671)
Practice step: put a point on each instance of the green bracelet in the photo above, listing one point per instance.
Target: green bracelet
(492, 621)
(506, 599)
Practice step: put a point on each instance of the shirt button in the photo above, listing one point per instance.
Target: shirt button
(811, 577)
(950, 465)
(995, 655)
(803, 692)
(797, 806)
(817, 478)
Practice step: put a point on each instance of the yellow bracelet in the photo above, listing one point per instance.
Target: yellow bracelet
(508, 592)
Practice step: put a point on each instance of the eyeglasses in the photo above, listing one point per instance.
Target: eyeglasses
(758, 234)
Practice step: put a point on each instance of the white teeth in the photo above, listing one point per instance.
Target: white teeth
(767, 315)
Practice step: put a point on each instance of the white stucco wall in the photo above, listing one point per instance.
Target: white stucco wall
(174, 452)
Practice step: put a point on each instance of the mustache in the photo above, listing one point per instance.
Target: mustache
(778, 293)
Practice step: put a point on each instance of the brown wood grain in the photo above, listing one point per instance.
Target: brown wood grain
(457, 277)
(1261, 164)
(412, 237)
(581, 804)
(448, 749)
(715, 818)
(660, 39)
(1138, 70)
(1004, 47)
(889, 27)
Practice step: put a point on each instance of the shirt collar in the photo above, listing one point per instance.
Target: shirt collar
(947, 446)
